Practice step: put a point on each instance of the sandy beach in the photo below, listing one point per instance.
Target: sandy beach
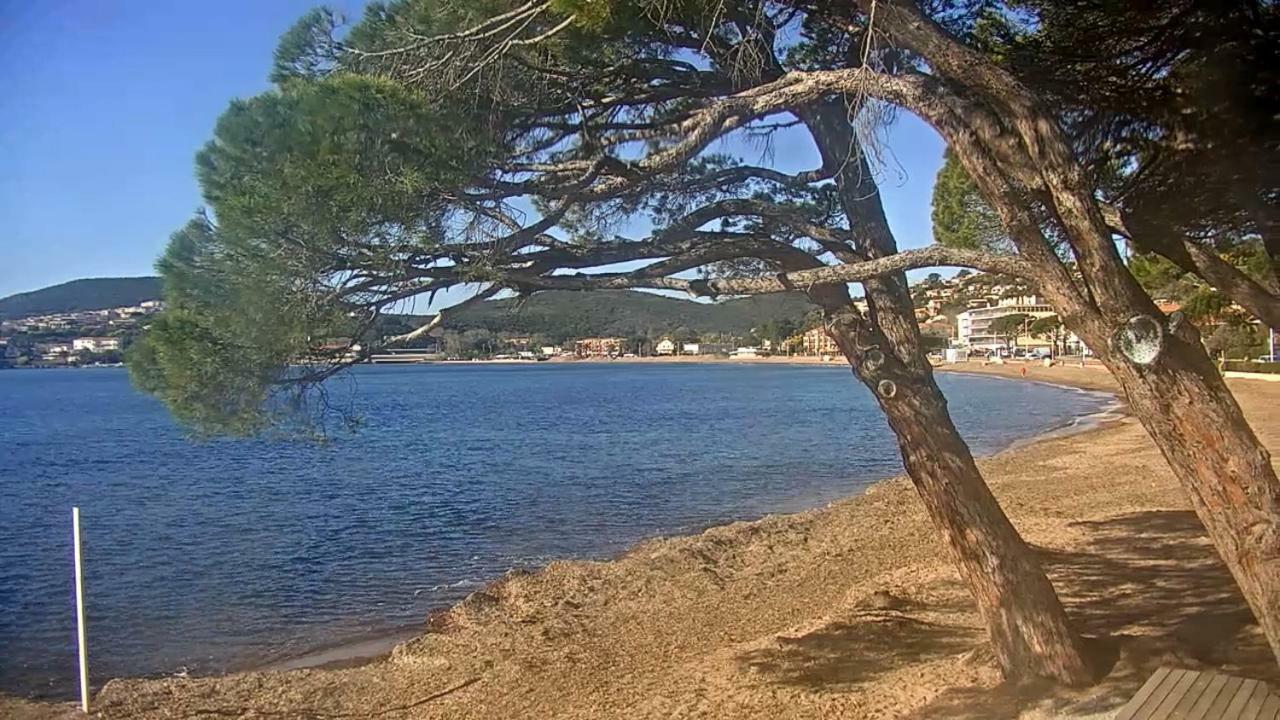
(850, 611)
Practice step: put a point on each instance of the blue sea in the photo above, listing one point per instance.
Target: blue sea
(206, 556)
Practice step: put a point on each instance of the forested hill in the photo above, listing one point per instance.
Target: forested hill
(626, 313)
(556, 313)
(86, 294)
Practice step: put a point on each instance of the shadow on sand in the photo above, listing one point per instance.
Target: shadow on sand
(1149, 585)
(840, 655)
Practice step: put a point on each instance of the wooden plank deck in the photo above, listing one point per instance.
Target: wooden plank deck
(1173, 694)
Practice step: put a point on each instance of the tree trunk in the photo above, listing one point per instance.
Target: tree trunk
(1250, 294)
(1186, 407)
(1028, 628)
(1266, 219)
(1025, 621)
(1179, 397)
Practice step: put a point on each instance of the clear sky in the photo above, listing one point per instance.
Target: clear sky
(106, 103)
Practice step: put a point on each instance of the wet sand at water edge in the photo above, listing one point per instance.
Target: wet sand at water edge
(849, 611)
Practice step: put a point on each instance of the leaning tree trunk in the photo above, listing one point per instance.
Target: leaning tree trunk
(1171, 384)
(1187, 409)
(1184, 404)
(1025, 620)
(1176, 391)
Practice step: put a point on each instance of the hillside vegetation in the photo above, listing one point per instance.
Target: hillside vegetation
(559, 314)
(626, 313)
(85, 294)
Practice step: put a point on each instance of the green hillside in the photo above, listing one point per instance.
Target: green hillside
(556, 313)
(86, 294)
(626, 313)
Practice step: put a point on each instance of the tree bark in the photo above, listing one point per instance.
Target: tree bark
(1187, 409)
(1184, 404)
(1266, 219)
(1235, 284)
(1025, 620)
(1178, 396)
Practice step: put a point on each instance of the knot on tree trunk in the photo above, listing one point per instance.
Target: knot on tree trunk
(1141, 339)
(845, 318)
(872, 359)
(1178, 326)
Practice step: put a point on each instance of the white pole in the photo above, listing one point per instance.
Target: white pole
(84, 650)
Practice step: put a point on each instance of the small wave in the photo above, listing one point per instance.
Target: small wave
(465, 582)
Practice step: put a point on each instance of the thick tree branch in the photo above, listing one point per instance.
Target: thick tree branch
(932, 256)
(439, 318)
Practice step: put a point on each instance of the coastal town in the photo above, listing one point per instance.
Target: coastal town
(970, 314)
(83, 337)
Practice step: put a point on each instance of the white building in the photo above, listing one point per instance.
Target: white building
(701, 348)
(54, 351)
(95, 344)
(665, 347)
(973, 327)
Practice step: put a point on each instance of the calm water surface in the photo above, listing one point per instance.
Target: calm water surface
(213, 555)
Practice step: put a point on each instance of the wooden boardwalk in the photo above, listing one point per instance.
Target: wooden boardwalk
(1191, 695)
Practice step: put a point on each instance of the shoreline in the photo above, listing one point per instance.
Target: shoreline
(363, 648)
(369, 648)
(1114, 411)
(377, 646)
(779, 617)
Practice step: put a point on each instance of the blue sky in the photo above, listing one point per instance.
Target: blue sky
(106, 103)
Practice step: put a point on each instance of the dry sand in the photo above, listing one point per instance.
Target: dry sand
(785, 617)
